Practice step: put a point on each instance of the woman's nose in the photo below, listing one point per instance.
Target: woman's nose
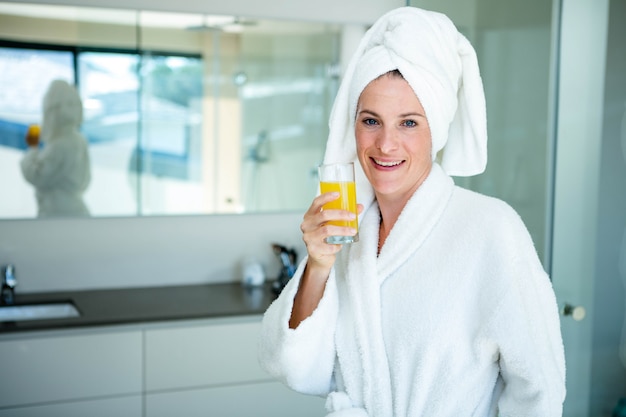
(387, 140)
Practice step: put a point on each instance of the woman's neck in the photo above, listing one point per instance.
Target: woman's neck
(389, 213)
(390, 209)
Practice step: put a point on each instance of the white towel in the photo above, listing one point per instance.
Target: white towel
(441, 66)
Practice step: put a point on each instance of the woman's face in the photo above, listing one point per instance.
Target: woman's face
(392, 138)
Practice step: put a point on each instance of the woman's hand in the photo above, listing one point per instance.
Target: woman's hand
(315, 230)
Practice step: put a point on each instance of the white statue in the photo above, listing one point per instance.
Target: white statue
(60, 171)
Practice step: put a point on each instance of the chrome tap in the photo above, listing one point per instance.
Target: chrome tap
(9, 281)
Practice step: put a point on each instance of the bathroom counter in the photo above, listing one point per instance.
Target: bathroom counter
(149, 304)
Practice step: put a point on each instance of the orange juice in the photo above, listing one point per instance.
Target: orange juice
(346, 201)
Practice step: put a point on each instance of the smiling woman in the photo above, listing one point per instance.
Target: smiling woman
(393, 140)
(184, 113)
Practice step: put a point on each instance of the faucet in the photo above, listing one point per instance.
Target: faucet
(9, 281)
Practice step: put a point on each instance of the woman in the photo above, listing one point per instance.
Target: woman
(442, 308)
(60, 171)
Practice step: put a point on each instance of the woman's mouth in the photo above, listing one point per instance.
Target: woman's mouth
(386, 164)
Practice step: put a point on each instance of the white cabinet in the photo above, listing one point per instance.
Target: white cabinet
(119, 407)
(263, 399)
(209, 354)
(187, 368)
(41, 370)
(212, 370)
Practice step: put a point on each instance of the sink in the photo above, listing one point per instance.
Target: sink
(39, 311)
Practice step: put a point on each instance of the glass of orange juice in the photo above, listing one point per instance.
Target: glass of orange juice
(340, 177)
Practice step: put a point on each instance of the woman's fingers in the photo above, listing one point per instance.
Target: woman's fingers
(315, 229)
(315, 217)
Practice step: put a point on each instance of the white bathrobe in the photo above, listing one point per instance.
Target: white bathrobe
(60, 171)
(455, 318)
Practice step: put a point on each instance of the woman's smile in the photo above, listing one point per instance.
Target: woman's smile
(384, 164)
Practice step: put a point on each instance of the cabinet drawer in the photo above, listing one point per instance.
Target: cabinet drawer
(118, 407)
(264, 399)
(204, 355)
(39, 370)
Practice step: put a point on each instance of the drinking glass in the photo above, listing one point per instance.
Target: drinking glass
(340, 177)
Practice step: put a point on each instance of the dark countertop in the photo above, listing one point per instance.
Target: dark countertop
(150, 304)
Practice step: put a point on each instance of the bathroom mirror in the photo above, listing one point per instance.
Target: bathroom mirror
(184, 114)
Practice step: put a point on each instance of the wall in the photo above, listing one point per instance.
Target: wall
(59, 254)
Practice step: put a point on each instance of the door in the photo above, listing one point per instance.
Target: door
(590, 204)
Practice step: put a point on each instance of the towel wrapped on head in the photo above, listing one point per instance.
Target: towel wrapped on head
(441, 67)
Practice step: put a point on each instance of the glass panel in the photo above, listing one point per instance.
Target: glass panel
(286, 93)
(24, 78)
(171, 135)
(109, 86)
(517, 97)
(513, 40)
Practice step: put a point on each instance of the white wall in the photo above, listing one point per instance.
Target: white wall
(59, 254)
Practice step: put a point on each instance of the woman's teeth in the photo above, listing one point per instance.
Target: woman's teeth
(387, 164)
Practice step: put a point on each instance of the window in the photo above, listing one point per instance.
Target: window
(142, 115)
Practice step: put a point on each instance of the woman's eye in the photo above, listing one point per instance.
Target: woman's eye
(369, 122)
(409, 123)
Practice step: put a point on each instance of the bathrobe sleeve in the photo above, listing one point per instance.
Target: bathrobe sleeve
(527, 331)
(62, 163)
(42, 168)
(302, 358)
